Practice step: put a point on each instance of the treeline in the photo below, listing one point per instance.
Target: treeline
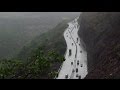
(39, 66)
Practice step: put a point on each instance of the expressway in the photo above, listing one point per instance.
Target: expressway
(75, 64)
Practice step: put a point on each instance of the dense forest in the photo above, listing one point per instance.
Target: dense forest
(39, 66)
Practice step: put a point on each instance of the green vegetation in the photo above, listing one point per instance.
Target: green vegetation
(53, 39)
(39, 59)
(39, 66)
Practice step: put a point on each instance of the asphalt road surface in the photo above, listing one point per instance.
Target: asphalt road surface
(75, 64)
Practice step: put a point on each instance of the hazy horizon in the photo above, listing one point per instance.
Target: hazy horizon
(19, 28)
(35, 14)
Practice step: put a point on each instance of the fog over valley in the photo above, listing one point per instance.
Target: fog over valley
(19, 28)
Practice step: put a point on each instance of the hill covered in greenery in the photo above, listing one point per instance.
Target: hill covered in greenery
(17, 29)
(53, 39)
(40, 59)
(17, 32)
(39, 66)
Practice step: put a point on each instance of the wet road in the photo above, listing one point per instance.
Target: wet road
(75, 64)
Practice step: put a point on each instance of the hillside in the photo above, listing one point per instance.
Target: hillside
(30, 48)
(100, 32)
(17, 29)
(39, 59)
(15, 33)
(50, 40)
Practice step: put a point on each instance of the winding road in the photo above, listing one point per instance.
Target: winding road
(75, 64)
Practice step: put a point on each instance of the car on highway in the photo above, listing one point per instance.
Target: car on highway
(77, 62)
(72, 44)
(71, 63)
(77, 40)
(79, 77)
(70, 52)
(76, 70)
(66, 76)
(73, 71)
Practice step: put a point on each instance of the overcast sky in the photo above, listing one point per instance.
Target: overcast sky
(36, 14)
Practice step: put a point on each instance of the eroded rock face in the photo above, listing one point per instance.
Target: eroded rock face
(100, 32)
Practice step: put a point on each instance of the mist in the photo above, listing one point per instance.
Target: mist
(19, 28)
(36, 14)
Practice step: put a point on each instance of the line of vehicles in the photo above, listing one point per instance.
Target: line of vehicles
(72, 63)
(73, 67)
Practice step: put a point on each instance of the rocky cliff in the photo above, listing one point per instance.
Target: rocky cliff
(100, 32)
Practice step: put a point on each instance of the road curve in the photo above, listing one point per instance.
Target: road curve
(75, 64)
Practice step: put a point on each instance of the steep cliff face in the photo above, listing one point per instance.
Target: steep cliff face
(100, 32)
